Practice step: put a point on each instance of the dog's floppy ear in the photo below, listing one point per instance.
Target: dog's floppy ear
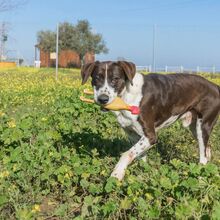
(87, 70)
(129, 69)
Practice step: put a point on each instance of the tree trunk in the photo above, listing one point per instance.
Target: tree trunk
(82, 60)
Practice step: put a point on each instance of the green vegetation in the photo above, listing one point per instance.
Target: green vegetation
(57, 153)
(79, 38)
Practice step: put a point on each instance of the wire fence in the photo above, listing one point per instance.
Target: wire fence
(179, 69)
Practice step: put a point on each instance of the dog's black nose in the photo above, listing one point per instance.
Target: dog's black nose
(103, 99)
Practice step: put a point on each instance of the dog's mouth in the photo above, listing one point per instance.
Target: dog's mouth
(104, 109)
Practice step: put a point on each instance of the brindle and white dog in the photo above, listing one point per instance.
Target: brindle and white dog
(162, 100)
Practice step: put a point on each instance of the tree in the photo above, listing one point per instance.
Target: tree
(47, 40)
(66, 35)
(7, 5)
(87, 41)
(79, 38)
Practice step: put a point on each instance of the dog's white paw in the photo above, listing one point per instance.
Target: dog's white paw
(119, 170)
(203, 160)
(118, 174)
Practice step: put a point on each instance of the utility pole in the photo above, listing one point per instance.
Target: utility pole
(154, 47)
(18, 60)
(57, 50)
(3, 39)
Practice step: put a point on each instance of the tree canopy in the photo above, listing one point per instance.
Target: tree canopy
(47, 40)
(79, 38)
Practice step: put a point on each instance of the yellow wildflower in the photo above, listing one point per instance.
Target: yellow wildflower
(15, 167)
(36, 208)
(2, 114)
(11, 124)
(43, 119)
(4, 174)
(67, 176)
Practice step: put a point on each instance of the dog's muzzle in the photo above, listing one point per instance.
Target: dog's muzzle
(103, 99)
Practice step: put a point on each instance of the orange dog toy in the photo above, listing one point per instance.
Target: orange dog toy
(116, 105)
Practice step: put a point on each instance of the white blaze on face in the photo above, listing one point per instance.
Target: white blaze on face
(106, 89)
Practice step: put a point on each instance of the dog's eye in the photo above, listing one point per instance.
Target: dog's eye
(97, 77)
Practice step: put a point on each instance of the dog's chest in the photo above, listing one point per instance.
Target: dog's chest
(132, 96)
(129, 121)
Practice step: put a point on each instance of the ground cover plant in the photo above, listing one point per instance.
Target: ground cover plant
(57, 153)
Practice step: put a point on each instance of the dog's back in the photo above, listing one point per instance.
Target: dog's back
(177, 93)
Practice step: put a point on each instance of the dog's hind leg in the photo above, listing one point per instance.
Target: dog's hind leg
(192, 125)
(204, 128)
(195, 126)
(202, 141)
(208, 152)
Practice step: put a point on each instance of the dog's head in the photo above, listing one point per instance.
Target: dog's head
(108, 78)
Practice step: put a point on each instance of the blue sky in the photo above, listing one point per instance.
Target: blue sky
(187, 33)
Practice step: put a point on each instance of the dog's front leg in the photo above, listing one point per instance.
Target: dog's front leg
(137, 150)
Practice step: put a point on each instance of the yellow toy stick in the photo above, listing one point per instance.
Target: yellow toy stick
(116, 105)
(88, 92)
(86, 100)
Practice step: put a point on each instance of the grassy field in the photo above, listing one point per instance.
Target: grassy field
(56, 155)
